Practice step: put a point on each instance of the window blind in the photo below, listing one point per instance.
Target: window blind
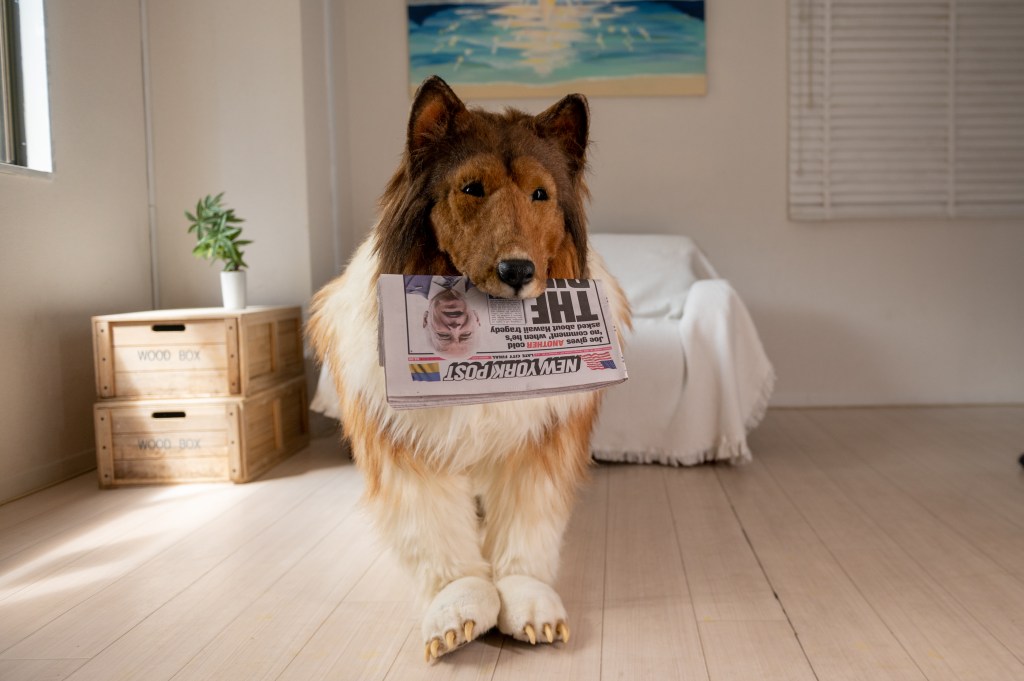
(906, 108)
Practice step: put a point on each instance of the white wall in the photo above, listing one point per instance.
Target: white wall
(230, 113)
(850, 313)
(73, 245)
(318, 108)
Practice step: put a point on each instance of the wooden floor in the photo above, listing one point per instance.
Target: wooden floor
(862, 545)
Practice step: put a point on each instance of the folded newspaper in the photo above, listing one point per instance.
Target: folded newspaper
(445, 342)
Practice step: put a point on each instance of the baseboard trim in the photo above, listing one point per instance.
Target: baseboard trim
(49, 476)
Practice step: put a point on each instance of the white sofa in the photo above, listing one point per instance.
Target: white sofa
(699, 378)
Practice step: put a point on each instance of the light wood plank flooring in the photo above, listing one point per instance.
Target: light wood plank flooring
(861, 545)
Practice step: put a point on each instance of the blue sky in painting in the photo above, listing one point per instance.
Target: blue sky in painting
(550, 41)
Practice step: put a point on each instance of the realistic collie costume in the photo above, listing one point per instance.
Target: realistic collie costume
(473, 499)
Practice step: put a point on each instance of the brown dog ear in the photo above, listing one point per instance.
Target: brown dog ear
(434, 110)
(567, 122)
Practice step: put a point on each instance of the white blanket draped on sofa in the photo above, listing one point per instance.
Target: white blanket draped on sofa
(699, 379)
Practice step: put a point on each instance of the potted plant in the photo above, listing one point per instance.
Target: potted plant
(217, 231)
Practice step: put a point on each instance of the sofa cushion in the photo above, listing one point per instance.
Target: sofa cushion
(655, 270)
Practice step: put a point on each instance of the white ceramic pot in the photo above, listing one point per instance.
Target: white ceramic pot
(232, 289)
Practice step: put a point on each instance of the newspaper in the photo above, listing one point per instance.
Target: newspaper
(442, 341)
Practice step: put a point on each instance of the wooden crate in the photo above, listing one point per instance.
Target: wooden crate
(196, 353)
(200, 439)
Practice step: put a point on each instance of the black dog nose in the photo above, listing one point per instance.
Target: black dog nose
(515, 273)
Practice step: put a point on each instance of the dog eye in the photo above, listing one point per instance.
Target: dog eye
(474, 189)
(539, 194)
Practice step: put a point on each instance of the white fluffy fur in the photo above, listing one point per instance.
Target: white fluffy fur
(467, 599)
(435, 528)
(525, 600)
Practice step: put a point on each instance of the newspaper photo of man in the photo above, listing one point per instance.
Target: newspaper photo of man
(449, 322)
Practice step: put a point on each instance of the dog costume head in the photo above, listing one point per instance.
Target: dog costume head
(495, 197)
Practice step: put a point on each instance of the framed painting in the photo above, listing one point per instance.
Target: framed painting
(544, 48)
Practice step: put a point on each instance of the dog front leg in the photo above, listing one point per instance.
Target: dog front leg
(430, 520)
(527, 507)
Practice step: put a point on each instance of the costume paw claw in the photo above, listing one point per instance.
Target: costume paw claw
(459, 613)
(528, 604)
(451, 642)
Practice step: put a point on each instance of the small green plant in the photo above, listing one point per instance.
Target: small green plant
(216, 229)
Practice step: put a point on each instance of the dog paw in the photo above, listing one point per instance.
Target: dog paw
(460, 612)
(531, 610)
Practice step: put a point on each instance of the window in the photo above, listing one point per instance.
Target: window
(24, 96)
(906, 108)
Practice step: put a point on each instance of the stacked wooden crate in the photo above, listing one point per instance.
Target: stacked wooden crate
(198, 395)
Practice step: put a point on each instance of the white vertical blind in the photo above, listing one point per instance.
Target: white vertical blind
(906, 108)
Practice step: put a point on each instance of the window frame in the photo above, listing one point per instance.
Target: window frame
(26, 135)
(8, 86)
